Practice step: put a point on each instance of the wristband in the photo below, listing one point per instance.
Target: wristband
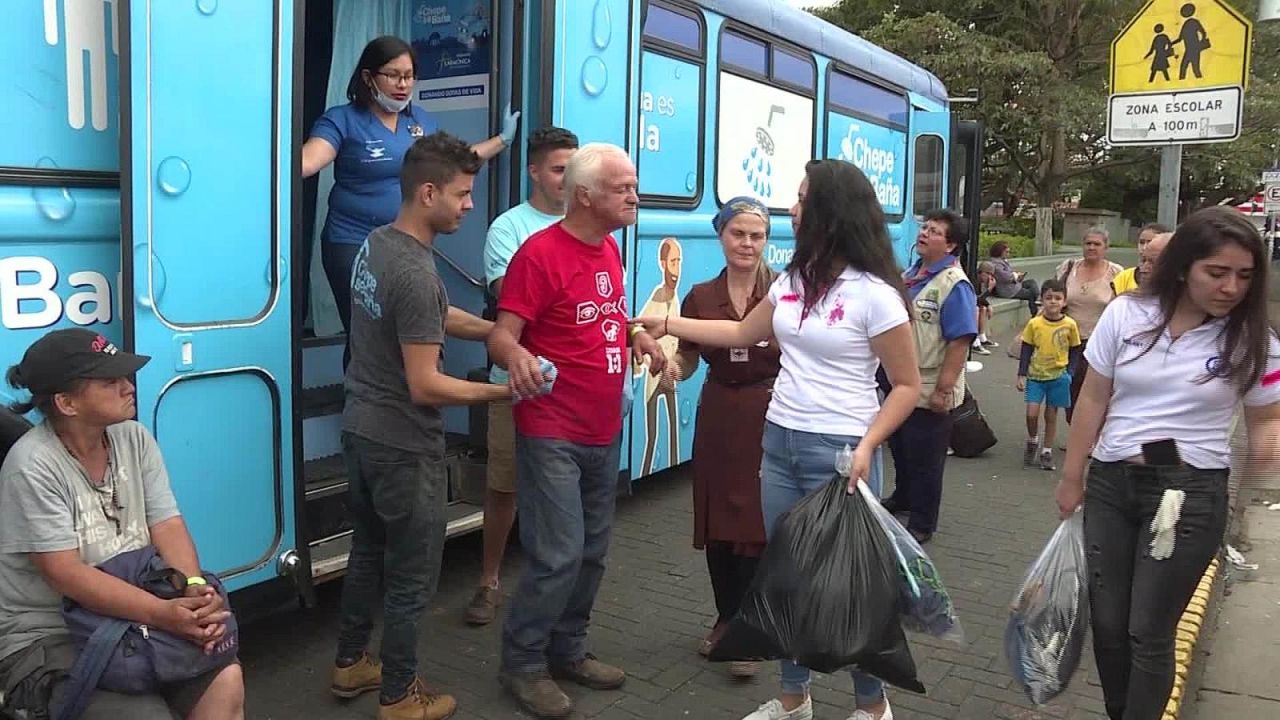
(635, 330)
(193, 581)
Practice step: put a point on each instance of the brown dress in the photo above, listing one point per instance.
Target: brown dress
(730, 425)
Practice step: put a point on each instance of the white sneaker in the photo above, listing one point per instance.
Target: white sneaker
(864, 715)
(772, 710)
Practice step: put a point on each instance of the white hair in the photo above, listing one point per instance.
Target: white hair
(583, 168)
(1100, 232)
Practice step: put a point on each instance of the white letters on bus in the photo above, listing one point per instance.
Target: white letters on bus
(33, 302)
(650, 133)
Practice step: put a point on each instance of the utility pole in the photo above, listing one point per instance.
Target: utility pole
(1170, 184)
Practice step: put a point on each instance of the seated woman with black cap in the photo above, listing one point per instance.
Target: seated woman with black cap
(83, 486)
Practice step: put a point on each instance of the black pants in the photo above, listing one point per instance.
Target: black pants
(731, 575)
(1136, 600)
(1077, 379)
(397, 504)
(919, 450)
(338, 258)
(1029, 291)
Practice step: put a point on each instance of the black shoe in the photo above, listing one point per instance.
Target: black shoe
(893, 506)
(921, 537)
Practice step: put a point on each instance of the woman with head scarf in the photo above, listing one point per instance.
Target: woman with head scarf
(727, 521)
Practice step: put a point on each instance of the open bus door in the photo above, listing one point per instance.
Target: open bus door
(966, 184)
(207, 157)
(592, 92)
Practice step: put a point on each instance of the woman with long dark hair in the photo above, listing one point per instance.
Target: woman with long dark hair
(1167, 367)
(837, 313)
(366, 140)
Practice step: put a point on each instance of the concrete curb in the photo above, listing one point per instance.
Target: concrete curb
(1187, 637)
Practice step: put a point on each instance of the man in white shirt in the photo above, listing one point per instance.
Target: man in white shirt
(549, 151)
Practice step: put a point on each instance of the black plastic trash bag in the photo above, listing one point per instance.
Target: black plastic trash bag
(825, 594)
(1050, 615)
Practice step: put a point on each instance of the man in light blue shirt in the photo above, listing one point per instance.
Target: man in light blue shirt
(549, 152)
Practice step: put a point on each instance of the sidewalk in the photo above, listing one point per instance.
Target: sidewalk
(1239, 653)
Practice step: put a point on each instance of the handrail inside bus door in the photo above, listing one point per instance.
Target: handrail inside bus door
(472, 279)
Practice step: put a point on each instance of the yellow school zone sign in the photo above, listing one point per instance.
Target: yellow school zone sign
(1176, 45)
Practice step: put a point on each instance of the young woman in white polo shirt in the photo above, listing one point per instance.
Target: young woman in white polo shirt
(838, 312)
(1168, 363)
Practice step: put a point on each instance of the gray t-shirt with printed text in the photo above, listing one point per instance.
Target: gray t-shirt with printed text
(48, 504)
(397, 298)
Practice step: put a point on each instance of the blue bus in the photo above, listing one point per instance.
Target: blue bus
(149, 156)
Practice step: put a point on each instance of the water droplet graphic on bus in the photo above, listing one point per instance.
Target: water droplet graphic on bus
(595, 76)
(208, 7)
(601, 24)
(173, 176)
(55, 203)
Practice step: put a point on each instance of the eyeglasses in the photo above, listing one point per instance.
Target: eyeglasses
(398, 78)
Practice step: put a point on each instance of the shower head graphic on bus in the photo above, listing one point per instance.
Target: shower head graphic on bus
(758, 165)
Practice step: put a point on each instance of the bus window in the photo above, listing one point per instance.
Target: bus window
(794, 70)
(744, 53)
(856, 96)
(665, 25)
(927, 180)
(671, 108)
(764, 126)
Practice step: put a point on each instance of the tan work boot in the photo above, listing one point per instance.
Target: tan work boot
(483, 608)
(351, 681)
(418, 704)
(537, 694)
(590, 672)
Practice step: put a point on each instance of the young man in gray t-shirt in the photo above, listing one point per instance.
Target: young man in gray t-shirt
(83, 486)
(393, 435)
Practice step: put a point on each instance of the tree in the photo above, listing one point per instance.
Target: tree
(1041, 69)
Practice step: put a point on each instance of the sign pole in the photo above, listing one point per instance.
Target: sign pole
(1170, 184)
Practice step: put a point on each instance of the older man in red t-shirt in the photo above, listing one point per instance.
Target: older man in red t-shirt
(563, 300)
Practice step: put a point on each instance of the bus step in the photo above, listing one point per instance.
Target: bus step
(329, 555)
(321, 401)
(326, 498)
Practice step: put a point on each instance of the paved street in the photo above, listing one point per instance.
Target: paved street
(656, 604)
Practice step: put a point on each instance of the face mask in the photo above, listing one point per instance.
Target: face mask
(389, 104)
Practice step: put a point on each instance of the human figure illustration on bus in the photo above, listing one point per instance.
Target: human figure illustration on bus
(1194, 41)
(663, 301)
(1161, 53)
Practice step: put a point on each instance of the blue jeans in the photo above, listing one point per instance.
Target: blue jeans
(564, 498)
(795, 464)
(397, 503)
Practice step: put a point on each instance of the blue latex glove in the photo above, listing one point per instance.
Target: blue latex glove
(549, 373)
(510, 123)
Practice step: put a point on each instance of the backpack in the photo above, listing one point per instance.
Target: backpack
(970, 434)
(128, 657)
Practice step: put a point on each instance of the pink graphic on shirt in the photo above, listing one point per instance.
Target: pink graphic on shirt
(837, 312)
(790, 297)
(1271, 378)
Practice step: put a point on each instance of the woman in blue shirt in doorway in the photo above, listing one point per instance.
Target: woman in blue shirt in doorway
(366, 140)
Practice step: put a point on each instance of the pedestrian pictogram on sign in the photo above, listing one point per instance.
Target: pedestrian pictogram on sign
(1174, 45)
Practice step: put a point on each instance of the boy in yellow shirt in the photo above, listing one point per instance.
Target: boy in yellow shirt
(1050, 350)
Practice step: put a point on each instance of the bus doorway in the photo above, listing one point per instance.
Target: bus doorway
(467, 72)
